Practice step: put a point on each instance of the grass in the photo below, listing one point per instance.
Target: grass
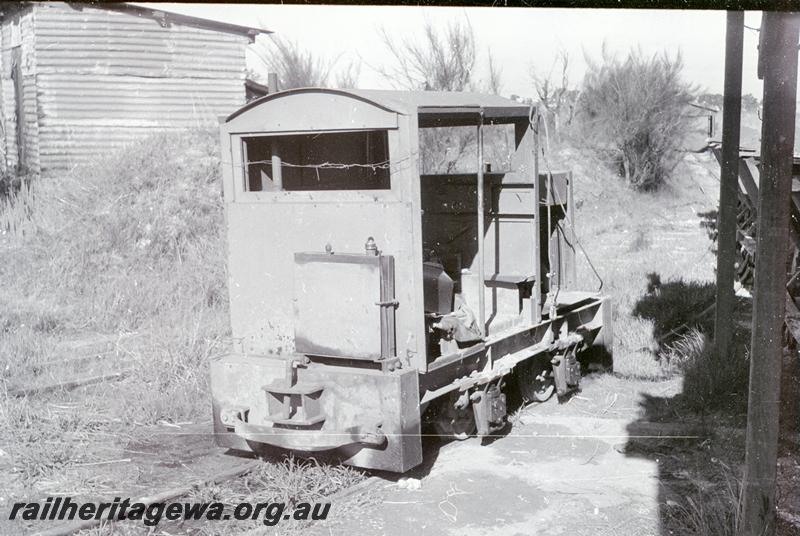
(630, 235)
(655, 256)
(672, 305)
(656, 263)
(704, 493)
(135, 244)
(686, 350)
(289, 481)
(132, 244)
(715, 382)
(709, 513)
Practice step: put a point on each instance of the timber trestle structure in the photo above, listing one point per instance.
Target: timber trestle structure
(747, 222)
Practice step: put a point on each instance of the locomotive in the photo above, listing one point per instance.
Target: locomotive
(370, 295)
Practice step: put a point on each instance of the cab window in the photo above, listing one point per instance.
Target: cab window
(323, 161)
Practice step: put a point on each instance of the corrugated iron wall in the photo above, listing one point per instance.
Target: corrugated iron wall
(18, 59)
(9, 124)
(104, 78)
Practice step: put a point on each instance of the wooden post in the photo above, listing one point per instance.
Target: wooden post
(729, 184)
(277, 170)
(272, 82)
(778, 57)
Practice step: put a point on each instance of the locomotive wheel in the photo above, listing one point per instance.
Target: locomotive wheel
(450, 422)
(535, 379)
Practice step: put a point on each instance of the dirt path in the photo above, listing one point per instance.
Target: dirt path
(563, 469)
(576, 468)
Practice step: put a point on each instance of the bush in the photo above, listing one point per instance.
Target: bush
(634, 113)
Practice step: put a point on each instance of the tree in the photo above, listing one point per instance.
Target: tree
(750, 103)
(553, 91)
(440, 61)
(712, 100)
(349, 75)
(635, 112)
(494, 82)
(550, 89)
(299, 67)
(294, 65)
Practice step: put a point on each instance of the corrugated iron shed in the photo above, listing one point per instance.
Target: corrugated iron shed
(90, 78)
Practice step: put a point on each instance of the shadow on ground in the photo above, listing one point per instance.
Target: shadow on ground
(676, 304)
(697, 451)
(699, 463)
(700, 456)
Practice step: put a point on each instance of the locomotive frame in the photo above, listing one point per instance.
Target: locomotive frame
(368, 295)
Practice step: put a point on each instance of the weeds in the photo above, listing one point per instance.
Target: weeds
(713, 510)
(133, 243)
(289, 481)
(132, 239)
(674, 304)
(15, 208)
(717, 382)
(39, 448)
(711, 381)
(294, 481)
(683, 353)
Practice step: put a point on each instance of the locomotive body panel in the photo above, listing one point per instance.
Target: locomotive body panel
(342, 347)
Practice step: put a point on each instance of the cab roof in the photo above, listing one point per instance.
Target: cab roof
(434, 108)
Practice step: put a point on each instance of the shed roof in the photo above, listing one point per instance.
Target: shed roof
(166, 16)
(432, 107)
(414, 101)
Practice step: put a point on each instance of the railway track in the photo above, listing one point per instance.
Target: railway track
(76, 363)
(166, 495)
(165, 462)
(173, 492)
(171, 461)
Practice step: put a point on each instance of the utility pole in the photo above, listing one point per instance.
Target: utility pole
(729, 184)
(778, 63)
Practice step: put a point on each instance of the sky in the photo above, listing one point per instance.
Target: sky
(520, 39)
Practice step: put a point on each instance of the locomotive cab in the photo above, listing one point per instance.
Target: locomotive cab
(370, 289)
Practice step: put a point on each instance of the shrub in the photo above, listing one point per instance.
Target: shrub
(634, 114)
